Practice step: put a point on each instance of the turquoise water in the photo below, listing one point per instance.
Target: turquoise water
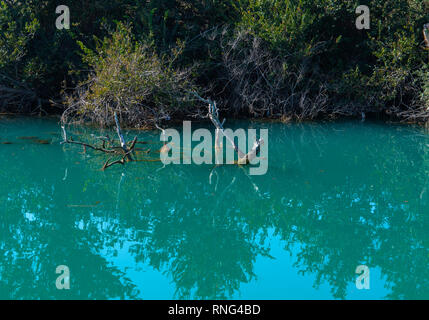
(336, 196)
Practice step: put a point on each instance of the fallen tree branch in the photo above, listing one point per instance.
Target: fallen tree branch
(108, 164)
(123, 149)
(213, 115)
(71, 141)
(121, 138)
(122, 160)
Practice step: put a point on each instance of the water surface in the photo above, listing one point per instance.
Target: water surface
(336, 195)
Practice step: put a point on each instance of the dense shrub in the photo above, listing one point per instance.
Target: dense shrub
(17, 29)
(392, 78)
(258, 58)
(129, 78)
(42, 62)
(307, 58)
(37, 61)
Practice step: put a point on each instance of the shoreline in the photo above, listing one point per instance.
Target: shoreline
(374, 117)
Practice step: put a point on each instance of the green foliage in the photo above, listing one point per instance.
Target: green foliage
(12, 41)
(283, 23)
(423, 76)
(130, 78)
(395, 59)
(313, 41)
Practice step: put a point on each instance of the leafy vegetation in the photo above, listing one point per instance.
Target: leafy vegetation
(132, 80)
(289, 59)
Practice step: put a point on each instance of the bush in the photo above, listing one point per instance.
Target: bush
(306, 59)
(131, 79)
(17, 29)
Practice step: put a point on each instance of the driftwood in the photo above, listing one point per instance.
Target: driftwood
(122, 140)
(127, 155)
(107, 146)
(213, 115)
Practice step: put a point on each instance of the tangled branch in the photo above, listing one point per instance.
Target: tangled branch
(213, 115)
(107, 146)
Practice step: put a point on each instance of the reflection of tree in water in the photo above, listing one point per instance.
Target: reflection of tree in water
(37, 234)
(210, 249)
(31, 250)
(342, 222)
(208, 236)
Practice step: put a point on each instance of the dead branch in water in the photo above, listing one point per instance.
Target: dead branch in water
(125, 156)
(107, 146)
(121, 139)
(213, 115)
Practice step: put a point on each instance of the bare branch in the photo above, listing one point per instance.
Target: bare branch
(214, 117)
